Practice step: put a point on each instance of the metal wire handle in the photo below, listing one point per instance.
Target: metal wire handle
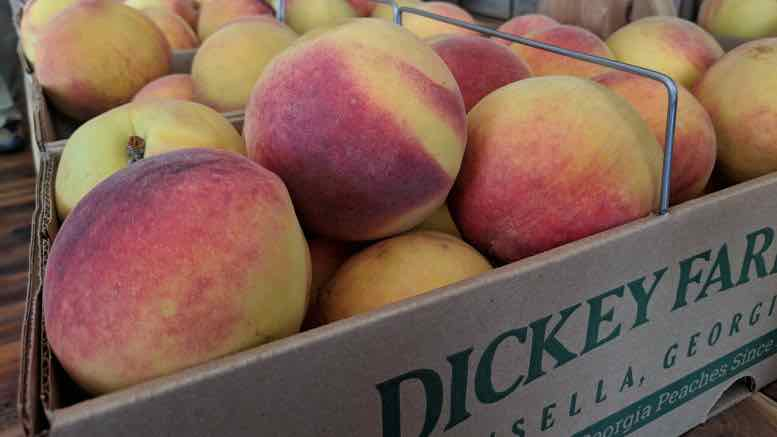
(667, 81)
(280, 14)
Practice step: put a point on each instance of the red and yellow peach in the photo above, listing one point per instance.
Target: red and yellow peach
(172, 86)
(366, 126)
(695, 145)
(215, 14)
(542, 169)
(671, 45)
(466, 55)
(545, 63)
(172, 262)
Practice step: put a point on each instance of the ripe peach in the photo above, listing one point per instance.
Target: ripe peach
(671, 45)
(741, 19)
(426, 27)
(738, 92)
(173, 86)
(176, 260)
(366, 126)
(695, 145)
(98, 148)
(305, 15)
(544, 63)
(523, 25)
(214, 14)
(229, 63)
(542, 168)
(397, 269)
(440, 221)
(35, 16)
(185, 9)
(466, 56)
(386, 12)
(97, 55)
(179, 35)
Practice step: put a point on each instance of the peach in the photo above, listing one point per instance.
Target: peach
(179, 35)
(214, 14)
(523, 25)
(386, 12)
(695, 143)
(306, 15)
(738, 92)
(397, 269)
(35, 16)
(185, 9)
(742, 19)
(426, 27)
(97, 55)
(671, 45)
(466, 56)
(229, 63)
(440, 221)
(99, 147)
(326, 256)
(550, 160)
(173, 86)
(174, 261)
(366, 126)
(544, 63)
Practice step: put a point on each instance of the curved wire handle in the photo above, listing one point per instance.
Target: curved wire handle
(667, 81)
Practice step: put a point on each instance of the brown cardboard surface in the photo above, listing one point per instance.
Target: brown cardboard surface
(328, 381)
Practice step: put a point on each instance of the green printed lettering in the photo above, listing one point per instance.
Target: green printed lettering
(670, 357)
(518, 428)
(596, 318)
(574, 410)
(542, 342)
(628, 380)
(756, 256)
(735, 324)
(484, 385)
(722, 267)
(755, 314)
(459, 376)
(390, 400)
(692, 344)
(547, 417)
(601, 396)
(771, 307)
(642, 297)
(715, 332)
(688, 277)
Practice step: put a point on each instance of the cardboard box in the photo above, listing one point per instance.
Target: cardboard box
(648, 328)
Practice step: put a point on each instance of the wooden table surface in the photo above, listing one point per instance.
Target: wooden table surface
(756, 416)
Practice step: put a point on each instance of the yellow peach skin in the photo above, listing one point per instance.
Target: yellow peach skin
(306, 15)
(550, 160)
(544, 63)
(745, 19)
(178, 33)
(173, 86)
(440, 221)
(97, 55)
(185, 9)
(229, 63)
(98, 148)
(36, 15)
(426, 27)
(375, 119)
(386, 12)
(397, 269)
(739, 94)
(671, 45)
(215, 14)
(695, 145)
(178, 259)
